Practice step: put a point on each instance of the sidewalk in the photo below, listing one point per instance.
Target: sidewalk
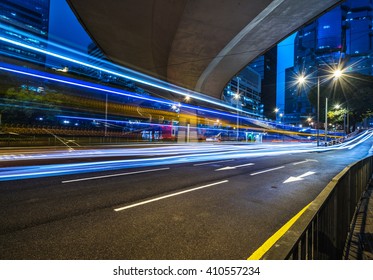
(361, 244)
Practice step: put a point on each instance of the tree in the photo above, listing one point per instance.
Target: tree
(354, 92)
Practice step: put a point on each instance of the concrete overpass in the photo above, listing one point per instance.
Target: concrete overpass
(197, 44)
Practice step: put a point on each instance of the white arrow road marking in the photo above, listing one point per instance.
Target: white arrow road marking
(299, 178)
(233, 167)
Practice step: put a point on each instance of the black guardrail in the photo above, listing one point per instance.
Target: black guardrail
(321, 232)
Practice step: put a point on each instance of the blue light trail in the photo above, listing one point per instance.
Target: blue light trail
(162, 156)
(149, 80)
(83, 84)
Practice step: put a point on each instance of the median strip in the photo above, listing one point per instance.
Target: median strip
(169, 195)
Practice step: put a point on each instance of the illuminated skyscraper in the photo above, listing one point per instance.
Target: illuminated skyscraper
(25, 22)
(344, 36)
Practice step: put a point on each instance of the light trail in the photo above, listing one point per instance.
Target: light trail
(168, 156)
(155, 83)
(92, 86)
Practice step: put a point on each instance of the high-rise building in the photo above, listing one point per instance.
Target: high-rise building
(25, 22)
(343, 36)
(359, 36)
(248, 86)
(269, 82)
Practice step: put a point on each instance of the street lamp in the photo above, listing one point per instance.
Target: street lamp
(337, 73)
(281, 115)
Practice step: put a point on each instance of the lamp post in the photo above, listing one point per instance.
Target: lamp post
(326, 121)
(106, 109)
(318, 112)
(237, 97)
(302, 79)
(276, 111)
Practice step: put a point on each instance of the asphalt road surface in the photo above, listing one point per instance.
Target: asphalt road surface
(179, 202)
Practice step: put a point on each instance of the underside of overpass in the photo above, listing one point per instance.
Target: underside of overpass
(196, 44)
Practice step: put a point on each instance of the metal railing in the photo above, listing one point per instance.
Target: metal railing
(321, 232)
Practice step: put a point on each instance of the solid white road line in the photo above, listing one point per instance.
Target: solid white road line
(114, 175)
(267, 170)
(211, 162)
(167, 196)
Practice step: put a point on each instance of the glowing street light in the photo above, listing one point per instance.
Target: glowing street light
(337, 73)
(301, 79)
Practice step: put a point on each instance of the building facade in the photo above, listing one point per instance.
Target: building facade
(24, 22)
(243, 92)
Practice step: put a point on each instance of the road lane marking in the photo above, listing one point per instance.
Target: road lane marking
(234, 167)
(305, 161)
(169, 195)
(114, 175)
(267, 170)
(205, 163)
(259, 253)
(298, 178)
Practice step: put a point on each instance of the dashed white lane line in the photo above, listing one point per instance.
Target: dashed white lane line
(267, 170)
(113, 175)
(211, 162)
(234, 167)
(169, 195)
(305, 161)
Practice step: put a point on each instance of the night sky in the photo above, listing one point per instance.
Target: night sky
(65, 29)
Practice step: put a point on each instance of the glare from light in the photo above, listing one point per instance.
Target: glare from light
(301, 79)
(337, 73)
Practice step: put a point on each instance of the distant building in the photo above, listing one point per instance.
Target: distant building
(248, 85)
(266, 66)
(25, 22)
